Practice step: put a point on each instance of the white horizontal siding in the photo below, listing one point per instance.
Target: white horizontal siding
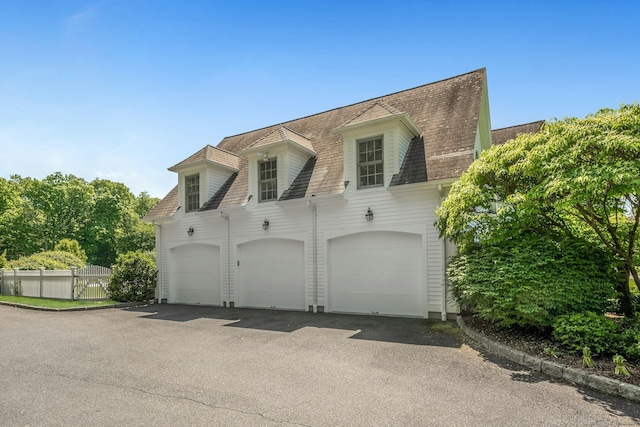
(411, 212)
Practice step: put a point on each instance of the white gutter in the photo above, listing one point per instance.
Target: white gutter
(314, 239)
(444, 266)
(311, 199)
(228, 301)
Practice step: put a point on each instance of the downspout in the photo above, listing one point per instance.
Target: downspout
(314, 239)
(227, 303)
(444, 266)
(158, 258)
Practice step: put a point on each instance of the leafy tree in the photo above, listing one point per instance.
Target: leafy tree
(133, 277)
(144, 203)
(71, 246)
(56, 207)
(103, 216)
(578, 177)
(98, 237)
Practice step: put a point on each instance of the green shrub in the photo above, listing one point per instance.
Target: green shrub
(595, 331)
(531, 280)
(51, 260)
(72, 246)
(3, 259)
(631, 337)
(133, 278)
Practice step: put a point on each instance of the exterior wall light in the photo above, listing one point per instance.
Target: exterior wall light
(190, 231)
(265, 224)
(369, 215)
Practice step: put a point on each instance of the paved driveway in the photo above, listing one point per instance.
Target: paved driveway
(181, 365)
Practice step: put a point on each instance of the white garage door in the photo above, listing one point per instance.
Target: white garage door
(271, 274)
(195, 275)
(377, 272)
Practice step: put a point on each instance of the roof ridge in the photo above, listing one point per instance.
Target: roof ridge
(517, 126)
(483, 69)
(221, 149)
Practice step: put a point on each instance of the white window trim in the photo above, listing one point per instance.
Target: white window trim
(273, 179)
(375, 162)
(187, 194)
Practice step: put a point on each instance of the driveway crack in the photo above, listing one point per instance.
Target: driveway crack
(170, 396)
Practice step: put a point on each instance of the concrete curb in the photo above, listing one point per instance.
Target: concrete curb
(555, 370)
(91, 307)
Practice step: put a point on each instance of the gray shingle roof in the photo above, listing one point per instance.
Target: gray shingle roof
(414, 167)
(212, 155)
(500, 136)
(165, 207)
(279, 135)
(446, 112)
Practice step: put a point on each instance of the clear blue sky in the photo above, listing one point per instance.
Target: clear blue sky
(124, 89)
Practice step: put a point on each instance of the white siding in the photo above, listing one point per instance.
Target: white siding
(214, 180)
(296, 163)
(404, 139)
(408, 212)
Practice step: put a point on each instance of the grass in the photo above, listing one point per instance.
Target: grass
(448, 328)
(53, 303)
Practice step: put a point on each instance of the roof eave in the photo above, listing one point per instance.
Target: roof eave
(197, 163)
(276, 144)
(402, 117)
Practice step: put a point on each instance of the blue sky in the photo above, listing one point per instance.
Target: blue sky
(124, 89)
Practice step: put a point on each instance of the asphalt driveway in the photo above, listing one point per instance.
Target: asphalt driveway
(185, 365)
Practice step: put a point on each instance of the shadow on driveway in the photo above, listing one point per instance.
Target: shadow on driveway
(365, 327)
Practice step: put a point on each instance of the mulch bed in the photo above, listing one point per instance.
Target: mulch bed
(544, 347)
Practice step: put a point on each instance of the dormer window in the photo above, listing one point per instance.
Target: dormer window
(267, 180)
(192, 192)
(375, 145)
(370, 162)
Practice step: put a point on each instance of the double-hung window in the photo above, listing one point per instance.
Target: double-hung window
(192, 192)
(267, 180)
(370, 162)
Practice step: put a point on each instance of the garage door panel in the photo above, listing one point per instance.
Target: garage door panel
(272, 274)
(378, 272)
(195, 277)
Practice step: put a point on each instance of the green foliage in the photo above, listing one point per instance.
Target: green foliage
(3, 259)
(103, 216)
(531, 280)
(577, 177)
(50, 260)
(595, 331)
(71, 246)
(133, 277)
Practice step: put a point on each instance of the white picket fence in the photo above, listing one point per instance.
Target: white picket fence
(87, 283)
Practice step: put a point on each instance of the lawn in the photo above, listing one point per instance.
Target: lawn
(53, 303)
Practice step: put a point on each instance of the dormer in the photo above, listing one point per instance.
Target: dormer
(274, 162)
(375, 144)
(201, 176)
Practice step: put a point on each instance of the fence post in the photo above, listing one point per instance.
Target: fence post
(2, 282)
(15, 281)
(41, 279)
(73, 282)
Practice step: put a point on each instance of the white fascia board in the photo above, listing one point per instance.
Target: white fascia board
(310, 199)
(159, 220)
(428, 185)
(224, 211)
